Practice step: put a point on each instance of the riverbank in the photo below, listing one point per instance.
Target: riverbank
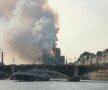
(97, 75)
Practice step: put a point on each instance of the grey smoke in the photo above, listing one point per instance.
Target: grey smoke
(31, 28)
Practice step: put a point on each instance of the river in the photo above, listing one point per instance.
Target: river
(54, 85)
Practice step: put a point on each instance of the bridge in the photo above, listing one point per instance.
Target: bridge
(72, 72)
(69, 71)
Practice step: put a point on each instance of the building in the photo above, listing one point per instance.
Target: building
(55, 59)
(101, 57)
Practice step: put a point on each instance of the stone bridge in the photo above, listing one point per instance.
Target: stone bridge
(69, 70)
(63, 70)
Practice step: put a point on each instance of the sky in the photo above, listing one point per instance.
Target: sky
(82, 25)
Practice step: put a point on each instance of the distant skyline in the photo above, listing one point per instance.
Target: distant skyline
(83, 26)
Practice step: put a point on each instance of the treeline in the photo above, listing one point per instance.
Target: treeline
(99, 53)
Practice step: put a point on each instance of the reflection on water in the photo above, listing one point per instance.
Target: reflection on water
(54, 85)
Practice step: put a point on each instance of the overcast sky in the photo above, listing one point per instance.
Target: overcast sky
(83, 26)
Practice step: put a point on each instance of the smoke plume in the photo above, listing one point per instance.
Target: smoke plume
(28, 27)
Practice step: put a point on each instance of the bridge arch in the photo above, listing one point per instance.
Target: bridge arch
(51, 73)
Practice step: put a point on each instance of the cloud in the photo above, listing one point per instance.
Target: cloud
(6, 7)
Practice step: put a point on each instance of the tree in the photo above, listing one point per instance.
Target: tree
(99, 53)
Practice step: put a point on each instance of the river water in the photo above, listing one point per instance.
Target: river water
(53, 85)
